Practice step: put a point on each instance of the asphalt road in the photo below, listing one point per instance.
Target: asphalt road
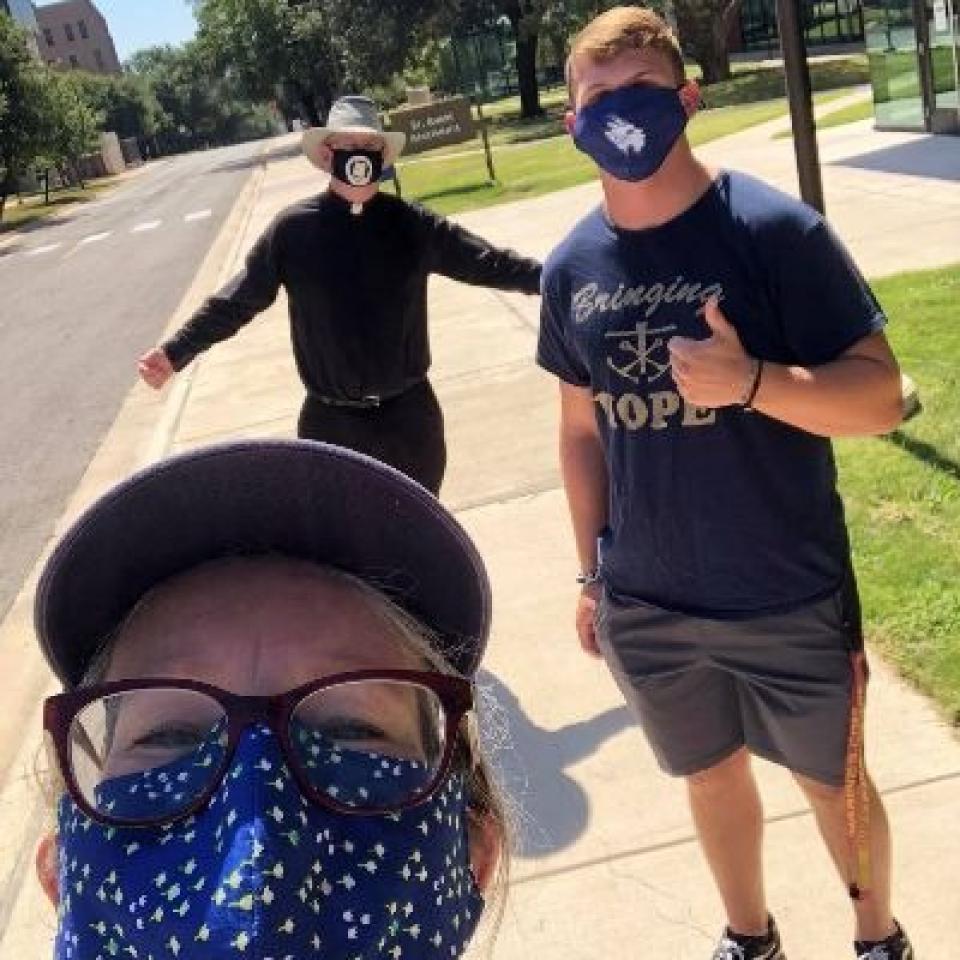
(80, 299)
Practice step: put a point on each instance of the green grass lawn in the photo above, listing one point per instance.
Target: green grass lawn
(862, 110)
(541, 158)
(460, 182)
(16, 215)
(903, 494)
(750, 84)
(895, 76)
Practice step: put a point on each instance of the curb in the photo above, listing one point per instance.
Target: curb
(237, 224)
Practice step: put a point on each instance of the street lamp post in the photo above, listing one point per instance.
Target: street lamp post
(797, 73)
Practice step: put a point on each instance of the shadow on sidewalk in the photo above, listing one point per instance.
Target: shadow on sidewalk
(275, 153)
(937, 157)
(551, 808)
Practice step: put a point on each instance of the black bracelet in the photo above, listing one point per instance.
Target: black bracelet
(747, 402)
(588, 577)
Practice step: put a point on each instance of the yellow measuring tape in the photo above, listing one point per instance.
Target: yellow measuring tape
(855, 792)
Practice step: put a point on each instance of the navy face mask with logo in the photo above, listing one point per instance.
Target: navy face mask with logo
(357, 168)
(629, 132)
(261, 872)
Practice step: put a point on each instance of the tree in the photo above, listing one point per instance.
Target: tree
(704, 29)
(21, 107)
(72, 126)
(561, 19)
(270, 47)
(376, 39)
(199, 107)
(127, 103)
(306, 53)
(526, 19)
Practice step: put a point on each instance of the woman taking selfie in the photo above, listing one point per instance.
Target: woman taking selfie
(264, 732)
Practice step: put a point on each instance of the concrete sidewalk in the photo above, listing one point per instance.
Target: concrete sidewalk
(607, 862)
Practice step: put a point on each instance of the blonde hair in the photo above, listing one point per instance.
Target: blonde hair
(619, 30)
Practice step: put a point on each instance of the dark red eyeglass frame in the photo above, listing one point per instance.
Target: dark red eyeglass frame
(454, 693)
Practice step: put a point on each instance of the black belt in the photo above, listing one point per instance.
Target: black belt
(369, 402)
(364, 403)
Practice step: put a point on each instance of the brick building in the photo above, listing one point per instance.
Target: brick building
(74, 34)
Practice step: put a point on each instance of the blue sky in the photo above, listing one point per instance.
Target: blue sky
(135, 24)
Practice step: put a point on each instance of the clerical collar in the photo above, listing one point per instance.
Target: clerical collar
(355, 208)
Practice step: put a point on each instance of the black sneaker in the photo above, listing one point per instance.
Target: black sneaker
(896, 947)
(737, 946)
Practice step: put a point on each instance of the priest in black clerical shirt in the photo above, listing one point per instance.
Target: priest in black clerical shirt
(355, 264)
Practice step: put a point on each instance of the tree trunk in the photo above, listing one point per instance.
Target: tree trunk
(704, 35)
(312, 109)
(715, 63)
(309, 103)
(5, 184)
(527, 69)
(558, 44)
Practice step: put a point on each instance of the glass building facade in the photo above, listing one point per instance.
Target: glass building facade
(914, 52)
(913, 47)
(824, 22)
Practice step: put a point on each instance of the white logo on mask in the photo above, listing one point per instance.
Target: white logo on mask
(359, 171)
(626, 137)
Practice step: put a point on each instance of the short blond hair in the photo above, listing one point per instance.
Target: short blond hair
(619, 30)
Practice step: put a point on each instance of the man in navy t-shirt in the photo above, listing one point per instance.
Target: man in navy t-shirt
(710, 335)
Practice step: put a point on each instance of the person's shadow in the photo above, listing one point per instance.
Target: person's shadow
(549, 806)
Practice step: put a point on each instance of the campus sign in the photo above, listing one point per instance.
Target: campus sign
(434, 124)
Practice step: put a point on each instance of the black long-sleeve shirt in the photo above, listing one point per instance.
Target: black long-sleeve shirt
(357, 289)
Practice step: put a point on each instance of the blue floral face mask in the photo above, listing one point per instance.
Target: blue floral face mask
(262, 873)
(629, 132)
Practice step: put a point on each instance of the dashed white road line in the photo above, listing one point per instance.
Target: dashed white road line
(96, 237)
(93, 238)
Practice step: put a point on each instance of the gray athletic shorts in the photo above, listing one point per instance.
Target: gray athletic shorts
(777, 684)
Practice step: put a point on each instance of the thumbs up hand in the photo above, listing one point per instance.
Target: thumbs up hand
(717, 371)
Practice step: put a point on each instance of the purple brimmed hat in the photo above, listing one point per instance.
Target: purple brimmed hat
(292, 498)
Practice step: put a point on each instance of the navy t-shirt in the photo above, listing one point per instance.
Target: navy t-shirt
(716, 512)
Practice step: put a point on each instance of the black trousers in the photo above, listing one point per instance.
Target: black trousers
(405, 432)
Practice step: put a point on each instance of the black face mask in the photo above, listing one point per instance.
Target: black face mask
(357, 168)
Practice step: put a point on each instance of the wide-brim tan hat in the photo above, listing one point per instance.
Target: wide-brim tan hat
(353, 115)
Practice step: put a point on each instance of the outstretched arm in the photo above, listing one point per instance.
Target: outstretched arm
(461, 255)
(220, 317)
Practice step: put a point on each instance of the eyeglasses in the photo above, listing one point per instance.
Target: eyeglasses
(152, 752)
